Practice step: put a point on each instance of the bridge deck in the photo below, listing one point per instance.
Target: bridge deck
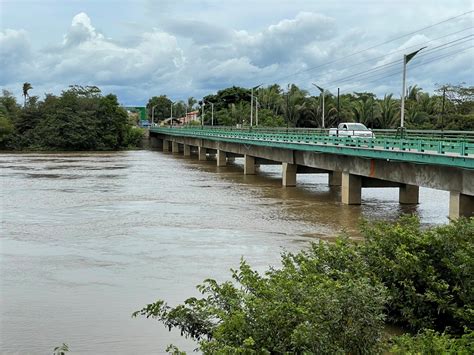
(452, 152)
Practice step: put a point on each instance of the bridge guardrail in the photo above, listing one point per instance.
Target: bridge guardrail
(450, 148)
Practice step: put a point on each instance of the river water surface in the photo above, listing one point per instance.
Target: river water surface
(88, 238)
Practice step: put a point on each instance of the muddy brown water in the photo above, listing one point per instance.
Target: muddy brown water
(88, 238)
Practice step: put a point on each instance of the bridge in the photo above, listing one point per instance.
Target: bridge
(439, 160)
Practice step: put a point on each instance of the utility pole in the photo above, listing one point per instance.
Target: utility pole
(442, 110)
(153, 115)
(338, 108)
(171, 118)
(251, 103)
(287, 109)
(202, 115)
(406, 59)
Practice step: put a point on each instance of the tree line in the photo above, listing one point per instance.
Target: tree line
(81, 118)
(451, 107)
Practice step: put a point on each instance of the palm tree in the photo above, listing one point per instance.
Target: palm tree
(26, 87)
(388, 112)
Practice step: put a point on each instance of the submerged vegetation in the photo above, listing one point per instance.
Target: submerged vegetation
(81, 118)
(337, 297)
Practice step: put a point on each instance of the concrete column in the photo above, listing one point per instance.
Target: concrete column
(187, 150)
(351, 189)
(202, 153)
(221, 158)
(174, 147)
(155, 142)
(249, 165)
(166, 145)
(460, 205)
(409, 194)
(335, 178)
(289, 174)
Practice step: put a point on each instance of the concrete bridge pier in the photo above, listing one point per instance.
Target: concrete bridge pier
(166, 145)
(174, 147)
(249, 165)
(289, 174)
(409, 194)
(155, 142)
(351, 189)
(202, 152)
(335, 178)
(186, 150)
(460, 205)
(221, 158)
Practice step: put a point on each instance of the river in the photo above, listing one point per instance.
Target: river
(88, 238)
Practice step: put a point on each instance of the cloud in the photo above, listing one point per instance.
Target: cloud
(185, 57)
(15, 53)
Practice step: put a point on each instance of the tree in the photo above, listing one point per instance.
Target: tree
(389, 112)
(162, 108)
(26, 87)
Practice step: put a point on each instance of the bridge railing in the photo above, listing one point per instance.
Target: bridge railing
(450, 135)
(414, 143)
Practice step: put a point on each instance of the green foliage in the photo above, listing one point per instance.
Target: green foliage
(429, 273)
(431, 342)
(80, 119)
(61, 350)
(322, 300)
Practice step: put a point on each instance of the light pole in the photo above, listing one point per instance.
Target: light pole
(322, 92)
(171, 118)
(251, 103)
(202, 115)
(256, 111)
(212, 111)
(406, 59)
(153, 115)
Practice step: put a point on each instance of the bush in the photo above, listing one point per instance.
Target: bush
(429, 273)
(431, 342)
(321, 301)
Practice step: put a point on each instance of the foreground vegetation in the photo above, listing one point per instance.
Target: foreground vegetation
(81, 118)
(338, 297)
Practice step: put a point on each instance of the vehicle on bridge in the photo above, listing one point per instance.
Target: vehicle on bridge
(351, 129)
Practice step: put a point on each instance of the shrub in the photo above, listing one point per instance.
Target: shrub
(429, 273)
(321, 301)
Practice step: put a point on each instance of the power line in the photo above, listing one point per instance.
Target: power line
(428, 52)
(372, 47)
(399, 50)
(398, 72)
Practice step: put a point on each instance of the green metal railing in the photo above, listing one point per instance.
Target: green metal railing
(453, 151)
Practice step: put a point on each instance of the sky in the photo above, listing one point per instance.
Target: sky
(137, 49)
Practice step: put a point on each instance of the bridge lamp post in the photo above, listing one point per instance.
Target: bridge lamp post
(322, 92)
(256, 111)
(406, 59)
(153, 115)
(212, 111)
(171, 118)
(251, 104)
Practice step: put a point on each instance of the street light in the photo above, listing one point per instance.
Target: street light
(171, 118)
(251, 103)
(322, 92)
(406, 59)
(153, 115)
(212, 110)
(256, 111)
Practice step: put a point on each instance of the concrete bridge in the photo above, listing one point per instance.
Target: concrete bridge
(352, 163)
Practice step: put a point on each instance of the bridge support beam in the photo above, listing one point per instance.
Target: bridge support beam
(409, 194)
(166, 145)
(174, 147)
(202, 153)
(186, 150)
(335, 178)
(249, 165)
(351, 189)
(221, 158)
(460, 205)
(289, 174)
